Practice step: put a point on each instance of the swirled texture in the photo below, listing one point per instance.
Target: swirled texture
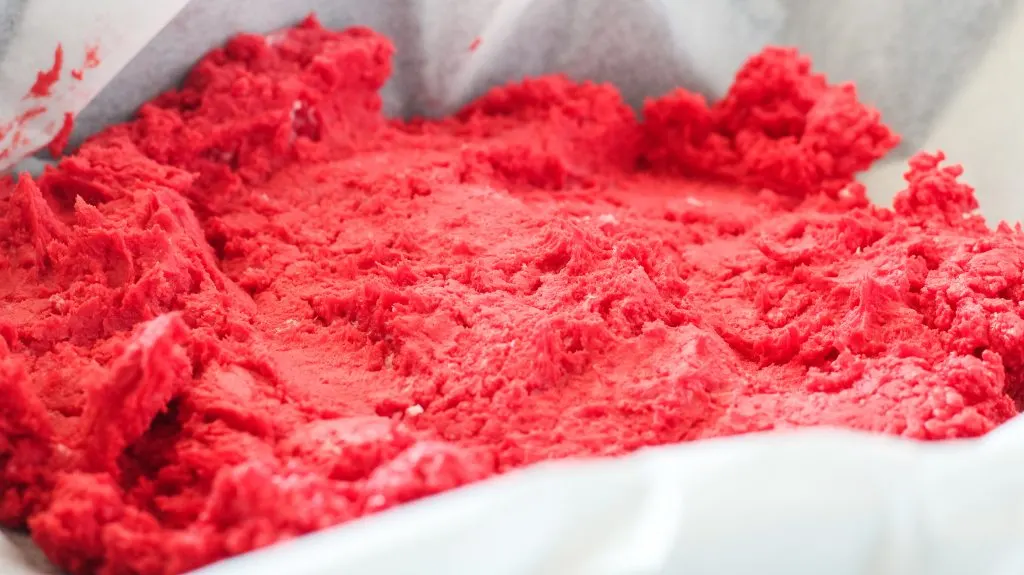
(260, 308)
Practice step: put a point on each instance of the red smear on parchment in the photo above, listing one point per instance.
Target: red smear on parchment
(92, 57)
(92, 60)
(60, 140)
(46, 79)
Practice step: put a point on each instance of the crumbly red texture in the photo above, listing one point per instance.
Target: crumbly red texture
(261, 309)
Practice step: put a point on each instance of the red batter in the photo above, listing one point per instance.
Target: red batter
(261, 309)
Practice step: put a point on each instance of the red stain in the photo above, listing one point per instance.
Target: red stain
(29, 114)
(46, 80)
(92, 60)
(42, 88)
(92, 56)
(475, 44)
(17, 124)
(60, 141)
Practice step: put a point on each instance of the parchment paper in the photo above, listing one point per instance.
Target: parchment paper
(945, 73)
